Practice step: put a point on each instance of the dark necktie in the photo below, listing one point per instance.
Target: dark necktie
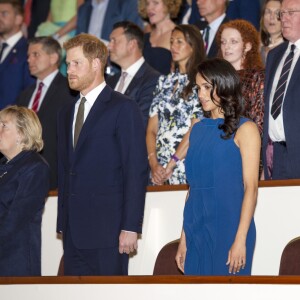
(37, 97)
(206, 38)
(79, 120)
(279, 92)
(4, 45)
(122, 82)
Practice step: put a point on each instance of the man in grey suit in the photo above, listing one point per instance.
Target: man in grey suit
(50, 93)
(281, 135)
(137, 79)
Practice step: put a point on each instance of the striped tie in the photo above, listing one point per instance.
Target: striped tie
(280, 89)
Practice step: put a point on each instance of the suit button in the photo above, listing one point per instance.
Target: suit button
(72, 173)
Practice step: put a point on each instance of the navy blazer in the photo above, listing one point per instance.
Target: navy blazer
(14, 74)
(141, 87)
(102, 183)
(57, 96)
(117, 11)
(291, 111)
(24, 184)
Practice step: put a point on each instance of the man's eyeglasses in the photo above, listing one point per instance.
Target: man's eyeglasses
(288, 13)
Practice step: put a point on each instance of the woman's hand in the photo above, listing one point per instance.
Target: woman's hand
(158, 174)
(237, 257)
(181, 253)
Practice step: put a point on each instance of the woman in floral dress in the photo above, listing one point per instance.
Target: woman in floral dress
(175, 108)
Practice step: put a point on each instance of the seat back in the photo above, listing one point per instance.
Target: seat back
(165, 263)
(290, 258)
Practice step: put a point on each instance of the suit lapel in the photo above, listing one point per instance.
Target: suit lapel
(47, 101)
(135, 80)
(12, 57)
(94, 114)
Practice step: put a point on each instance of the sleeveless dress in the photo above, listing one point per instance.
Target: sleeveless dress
(157, 57)
(212, 211)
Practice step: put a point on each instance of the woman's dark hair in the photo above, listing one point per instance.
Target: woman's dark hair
(226, 83)
(193, 37)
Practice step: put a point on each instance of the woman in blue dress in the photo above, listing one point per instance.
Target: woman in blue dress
(222, 162)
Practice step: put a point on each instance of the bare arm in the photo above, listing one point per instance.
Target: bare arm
(158, 173)
(181, 252)
(181, 149)
(248, 140)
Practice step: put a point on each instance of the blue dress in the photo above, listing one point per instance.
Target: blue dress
(212, 211)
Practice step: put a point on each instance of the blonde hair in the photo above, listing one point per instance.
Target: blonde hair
(172, 6)
(28, 125)
(92, 47)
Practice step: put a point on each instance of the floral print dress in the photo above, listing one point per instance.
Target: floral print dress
(174, 117)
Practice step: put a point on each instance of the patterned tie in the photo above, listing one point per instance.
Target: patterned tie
(206, 38)
(122, 82)
(279, 92)
(37, 97)
(4, 45)
(79, 120)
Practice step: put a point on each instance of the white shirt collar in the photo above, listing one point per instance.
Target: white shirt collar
(214, 25)
(93, 94)
(132, 70)
(48, 79)
(11, 41)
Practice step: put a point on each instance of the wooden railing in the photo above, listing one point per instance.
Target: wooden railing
(182, 187)
(152, 280)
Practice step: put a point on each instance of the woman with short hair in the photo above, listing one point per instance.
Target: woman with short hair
(24, 185)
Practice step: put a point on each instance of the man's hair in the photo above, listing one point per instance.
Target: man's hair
(16, 4)
(49, 45)
(92, 47)
(132, 32)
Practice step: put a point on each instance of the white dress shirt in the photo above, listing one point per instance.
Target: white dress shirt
(97, 17)
(131, 71)
(276, 127)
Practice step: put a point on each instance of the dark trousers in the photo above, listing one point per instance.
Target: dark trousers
(281, 164)
(92, 262)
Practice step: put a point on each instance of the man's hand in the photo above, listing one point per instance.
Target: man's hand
(127, 242)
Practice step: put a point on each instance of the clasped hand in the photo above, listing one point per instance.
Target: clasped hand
(160, 174)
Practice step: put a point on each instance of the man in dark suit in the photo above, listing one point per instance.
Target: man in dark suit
(14, 73)
(213, 11)
(44, 56)
(248, 10)
(98, 17)
(102, 167)
(281, 135)
(125, 48)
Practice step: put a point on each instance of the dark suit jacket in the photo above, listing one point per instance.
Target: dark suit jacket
(14, 74)
(117, 10)
(141, 87)
(23, 190)
(102, 182)
(57, 96)
(291, 111)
